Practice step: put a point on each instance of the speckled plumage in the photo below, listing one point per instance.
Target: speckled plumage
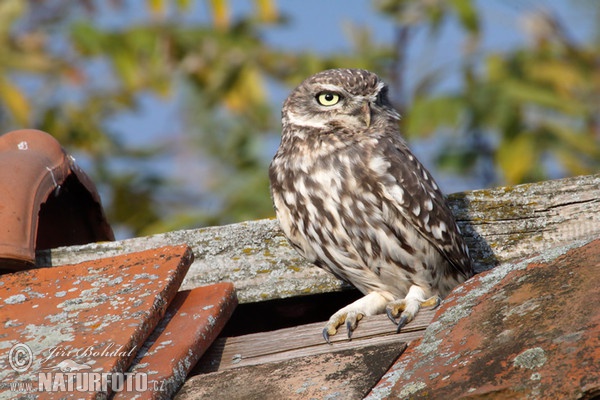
(352, 198)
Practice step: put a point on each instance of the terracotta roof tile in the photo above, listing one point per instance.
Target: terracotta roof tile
(525, 330)
(92, 316)
(47, 200)
(192, 322)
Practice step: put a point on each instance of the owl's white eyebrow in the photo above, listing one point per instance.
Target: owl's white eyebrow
(329, 87)
(314, 122)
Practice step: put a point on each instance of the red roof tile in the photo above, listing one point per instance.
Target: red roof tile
(192, 322)
(533, 332)
(46, 202)
(92, 316)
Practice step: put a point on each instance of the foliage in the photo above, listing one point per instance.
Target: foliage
(519, 110)
(65, 71)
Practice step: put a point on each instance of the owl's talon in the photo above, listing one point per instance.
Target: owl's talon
(409, 306)
(349, 316)
(433, 302)
(401, 323)
(349, 328)
(390, 315)
(326, 335)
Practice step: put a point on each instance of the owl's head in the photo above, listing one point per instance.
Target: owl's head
(353, 99)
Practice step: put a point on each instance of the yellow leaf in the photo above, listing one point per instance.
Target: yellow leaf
(516, 157)
(10, 11)
(156, 6)
(267, 11)
(220, 10)
(246, 92)
(563, 76)
(15, 102)
(183, 4)
(581, 141)
(572, 162)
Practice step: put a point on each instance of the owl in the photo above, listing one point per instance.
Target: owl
(352, 198)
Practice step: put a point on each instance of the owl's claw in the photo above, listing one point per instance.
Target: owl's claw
(400, 323)
(371, 304)
(326, 335)
(349, 328)
(409, 308)
(350, 319)
(388, 311)
(403, 321)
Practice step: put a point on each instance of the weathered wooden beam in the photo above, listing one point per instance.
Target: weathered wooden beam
(339, 374)
(306, 340)
(499, 224)
(509, 223)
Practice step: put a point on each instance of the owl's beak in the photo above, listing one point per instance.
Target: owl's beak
(366, 112)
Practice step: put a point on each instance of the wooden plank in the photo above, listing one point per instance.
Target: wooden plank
(339, 374)
(500, 225)
(305, 340)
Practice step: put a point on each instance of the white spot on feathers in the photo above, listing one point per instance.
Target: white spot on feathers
(439, 231)
(379, 164)
(416, 210)
(428, 204)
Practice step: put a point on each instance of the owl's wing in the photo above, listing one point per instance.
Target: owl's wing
(411, 190)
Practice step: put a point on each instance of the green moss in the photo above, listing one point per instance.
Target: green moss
(263, 271)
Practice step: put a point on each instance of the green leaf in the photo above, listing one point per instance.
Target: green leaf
(522, 91)
(574, 140)
(127, 67)
(87, 38)
(426, 115)
(467, 15)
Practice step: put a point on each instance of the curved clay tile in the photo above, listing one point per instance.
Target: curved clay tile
(46, 201)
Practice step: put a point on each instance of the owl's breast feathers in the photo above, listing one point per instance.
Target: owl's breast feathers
(356, 203)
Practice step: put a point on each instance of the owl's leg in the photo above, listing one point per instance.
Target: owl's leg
(371, 304)
(410, 306)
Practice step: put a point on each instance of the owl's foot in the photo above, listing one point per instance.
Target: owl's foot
(409, 306)
(371, 304)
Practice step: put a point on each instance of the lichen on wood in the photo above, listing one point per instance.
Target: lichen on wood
(500, 224)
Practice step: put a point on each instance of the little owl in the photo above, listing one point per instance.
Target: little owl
(352, 199)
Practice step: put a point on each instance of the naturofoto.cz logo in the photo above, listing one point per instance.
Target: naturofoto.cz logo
(70, 375)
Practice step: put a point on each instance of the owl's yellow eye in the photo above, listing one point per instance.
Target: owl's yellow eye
(328, 98)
